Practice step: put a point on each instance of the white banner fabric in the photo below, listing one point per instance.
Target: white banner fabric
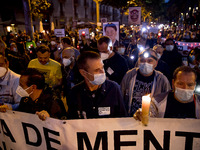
(26, 131)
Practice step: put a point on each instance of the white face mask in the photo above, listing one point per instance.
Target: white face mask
(98, 78)
(104, 56)
(169, 47)
(144, 36)
(15, 49)
(22, 92)
(53, 43)
(183, 94)
(121, 50)
(66, 62)
(145, 68)
(60, 46)
(158, 55)
(3, 71)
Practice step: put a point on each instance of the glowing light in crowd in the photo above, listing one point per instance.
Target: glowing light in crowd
(141, 48)
(132, 57)
(197, 89)
(146, 55)
(160, 26)
(9, 28)
(144, 29)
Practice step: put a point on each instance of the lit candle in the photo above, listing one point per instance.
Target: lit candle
(73, 41)
(145, 109)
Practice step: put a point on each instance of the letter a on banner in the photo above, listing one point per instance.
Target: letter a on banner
(134, 17)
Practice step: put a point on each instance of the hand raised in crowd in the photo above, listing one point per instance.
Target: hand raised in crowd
(3, 108)
(43, 114)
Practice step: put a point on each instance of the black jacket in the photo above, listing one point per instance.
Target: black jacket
(106, 102)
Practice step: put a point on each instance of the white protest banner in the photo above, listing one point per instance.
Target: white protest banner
(25, 131)
(187, 46)
(59, 32)
(134, 17)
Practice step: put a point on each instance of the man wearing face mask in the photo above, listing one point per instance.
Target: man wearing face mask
(50, 68)
(186, 37)
(114, 64)
(8, 85)
(143, 80)
(171, 56)
(181, 102)
(151, 41)
(71, 75)
(38, 99)
(162, 66)
(95, 97)
(193, 37)
(132, 52)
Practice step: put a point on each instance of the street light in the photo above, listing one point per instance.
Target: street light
(97, 9)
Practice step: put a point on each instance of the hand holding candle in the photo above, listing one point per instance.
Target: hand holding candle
(145, 109)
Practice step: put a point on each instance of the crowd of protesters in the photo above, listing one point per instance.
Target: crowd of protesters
(72, 77)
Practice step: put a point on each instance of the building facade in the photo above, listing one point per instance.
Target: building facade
(64, 14)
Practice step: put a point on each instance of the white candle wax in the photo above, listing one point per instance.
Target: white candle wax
(145, 109)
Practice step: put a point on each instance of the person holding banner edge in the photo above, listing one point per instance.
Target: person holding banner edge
(38, 98)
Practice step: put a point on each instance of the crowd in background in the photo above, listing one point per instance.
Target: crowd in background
(48, 52)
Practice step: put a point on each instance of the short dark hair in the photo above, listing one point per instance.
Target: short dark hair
(84, 56)
(67, 40)
(110, 25)
(149, 50)
(103, 39)
(34, 77)
(169, 39)
(185, 69)
(43, 49)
